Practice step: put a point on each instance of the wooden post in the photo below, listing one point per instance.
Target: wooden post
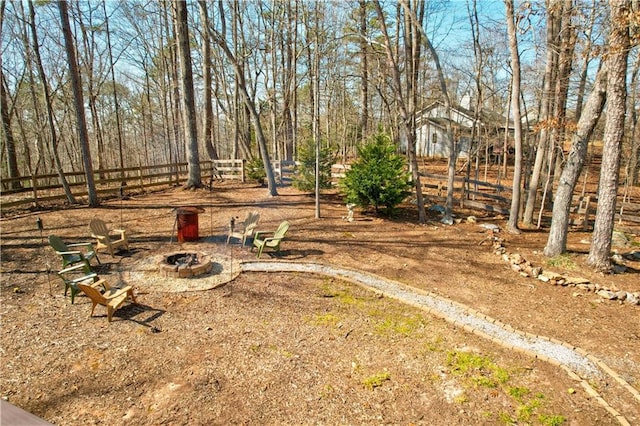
(242, 173)
(34, 186)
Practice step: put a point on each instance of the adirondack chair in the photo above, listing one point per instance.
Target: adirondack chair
(260, 242)
(242, 230)
(74, 275)
(72, 257)
(105, 238)
(112, 298)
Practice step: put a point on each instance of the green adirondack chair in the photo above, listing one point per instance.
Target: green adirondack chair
(71, 253)
(74, 275)
(260, 242)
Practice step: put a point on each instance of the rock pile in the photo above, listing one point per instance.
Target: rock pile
(526, 269)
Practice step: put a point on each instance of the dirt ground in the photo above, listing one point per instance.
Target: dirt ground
(277, 348)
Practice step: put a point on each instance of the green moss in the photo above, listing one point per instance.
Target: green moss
(551, 420)
(399, 323)
(519, 393)
(376, 380)
(329, 319)
(563, 260)
(525, 411)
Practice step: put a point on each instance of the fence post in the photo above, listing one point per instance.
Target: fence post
(242, 172)
(35, 190)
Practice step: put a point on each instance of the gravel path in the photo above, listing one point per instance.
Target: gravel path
(450, 311)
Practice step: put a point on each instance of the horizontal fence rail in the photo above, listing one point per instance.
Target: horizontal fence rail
(31, 190)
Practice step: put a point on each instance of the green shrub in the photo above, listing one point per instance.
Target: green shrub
(304, 178)
(255, 170)
(378, 178)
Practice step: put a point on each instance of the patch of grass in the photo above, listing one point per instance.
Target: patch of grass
(482, 371)
(564, 261)
(551, 420)
(400, 324)
(461, 399)
(376, 380)
(435, 344)
(518, 393)
(505, 418)
(525, 411)
(329, 319)
(342, 295)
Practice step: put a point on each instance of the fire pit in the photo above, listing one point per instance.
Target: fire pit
(185, 265)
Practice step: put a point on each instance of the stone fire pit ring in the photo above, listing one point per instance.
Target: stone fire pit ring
(185, 264)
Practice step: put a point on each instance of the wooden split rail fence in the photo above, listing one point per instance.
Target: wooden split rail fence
(32, 190)
(496, 198)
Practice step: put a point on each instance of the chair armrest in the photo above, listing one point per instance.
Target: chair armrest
(92, 276)
(266, 240)
(69, 252)
(121, 232)
(114, 292)
(80, 245)
(72, 268)
(260, 233)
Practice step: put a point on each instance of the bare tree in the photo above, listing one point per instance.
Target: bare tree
(249, 102)
(553, 24)
(557, 240)
(619, 40)
(10, 145)
(514, 212)
(194, 179)
(116, 103)
(206, 81)
(76, 85)
(48, 102)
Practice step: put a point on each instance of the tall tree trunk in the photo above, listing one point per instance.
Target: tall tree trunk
(48, 102)
(249, 102)
(553, 24)
(586, 60)
(12, 160)
(364, 67)
(557, 240)
(634, 159)
(206, 81)
(599, 254)
(76, 85)
(512, 225)
(116, 104)
(194, 179)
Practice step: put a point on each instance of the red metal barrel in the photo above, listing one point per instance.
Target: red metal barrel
(187, 218)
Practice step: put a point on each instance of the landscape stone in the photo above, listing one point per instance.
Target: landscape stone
(606, 294)
(576, 280)
(632, 299)
(621, 295)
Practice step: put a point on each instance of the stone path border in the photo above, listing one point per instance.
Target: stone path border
(577, 362)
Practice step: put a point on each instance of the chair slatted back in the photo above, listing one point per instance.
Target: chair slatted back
(98, 227)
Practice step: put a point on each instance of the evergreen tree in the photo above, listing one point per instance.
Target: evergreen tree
(378, 178)
(305, 175)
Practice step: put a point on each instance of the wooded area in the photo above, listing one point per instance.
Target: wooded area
(129, 85)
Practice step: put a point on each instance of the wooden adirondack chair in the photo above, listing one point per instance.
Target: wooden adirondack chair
(106, 238)
(72, 257)
(273, 242)
(242, 230)
(112, 298)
